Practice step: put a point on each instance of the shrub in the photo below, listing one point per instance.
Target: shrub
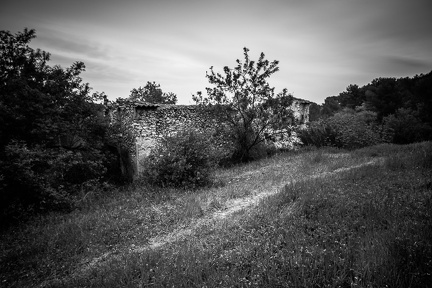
(346, 129)
(35, 179)
(318, 134)
(244, 147)
(405, 127)
(355, 130)
(182, 160)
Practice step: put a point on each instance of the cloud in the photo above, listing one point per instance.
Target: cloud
(400, 65)
(322, 46)
(63, 43)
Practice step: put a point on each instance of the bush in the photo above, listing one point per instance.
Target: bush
(35, 179)
(347, 129)
(244, 148)
(182, 160)
(405, 127)
(318, 134)
(355, 130)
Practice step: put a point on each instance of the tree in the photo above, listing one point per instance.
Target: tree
(247, 103)
(351, 98)
(384, 96)
(52, 131)
(331, 106)
(314, 112)
(152, 93)
(405, 127)
(41, 104)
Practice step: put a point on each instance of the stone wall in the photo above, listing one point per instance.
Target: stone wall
(152, 121)
(301, 111)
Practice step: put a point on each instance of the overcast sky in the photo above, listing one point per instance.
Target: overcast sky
(322, 45)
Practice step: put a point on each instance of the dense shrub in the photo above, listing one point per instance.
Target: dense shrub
(36, 179)
(405, 127)
(355, 129)
(347, 129)
(182, 160)
(244, 148)
(318, 134)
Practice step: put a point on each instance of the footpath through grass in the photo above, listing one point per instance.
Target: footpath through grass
(338, 219)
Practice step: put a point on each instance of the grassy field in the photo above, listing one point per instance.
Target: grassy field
(317, 218)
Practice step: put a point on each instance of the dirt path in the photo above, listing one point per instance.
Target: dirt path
(231, 207)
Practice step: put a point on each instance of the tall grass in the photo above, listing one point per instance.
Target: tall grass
(369, 226)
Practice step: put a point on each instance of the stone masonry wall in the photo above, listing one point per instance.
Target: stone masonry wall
(152, 121)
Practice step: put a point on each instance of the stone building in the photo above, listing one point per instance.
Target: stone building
(152, 121)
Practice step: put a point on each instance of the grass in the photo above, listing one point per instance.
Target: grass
(329, 225)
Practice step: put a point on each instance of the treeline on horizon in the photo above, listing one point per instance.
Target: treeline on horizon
(394, 110)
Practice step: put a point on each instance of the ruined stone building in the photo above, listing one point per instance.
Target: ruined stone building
(152, 121)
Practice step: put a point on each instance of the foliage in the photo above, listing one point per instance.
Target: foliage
(352, 97)
(355, 130)
(405, 127)
(314, 112)
(346, 129)
(52, 132)
(401, 104)
(120, 136)
(318, 134)
(152, 93)
(330, 107)
(48, 179)
(180, 160)
(247, 103)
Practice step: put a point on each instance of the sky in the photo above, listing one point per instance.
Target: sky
(322, 45)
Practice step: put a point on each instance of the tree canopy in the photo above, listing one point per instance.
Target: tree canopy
(41, 104)
(53, 134)
(152, 93)
(402, 106)
(385, 96)
(247, 103)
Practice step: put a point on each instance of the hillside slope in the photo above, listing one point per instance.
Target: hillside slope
(323, 217)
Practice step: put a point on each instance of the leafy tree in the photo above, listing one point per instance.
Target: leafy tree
(405, 126)
(422, 100)
(247, 103)
(402, 105)
(41, 104)
(52, 132)
(314, 112)
(331, 106)
(152, 93)
(352, 97)
(384, 96)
